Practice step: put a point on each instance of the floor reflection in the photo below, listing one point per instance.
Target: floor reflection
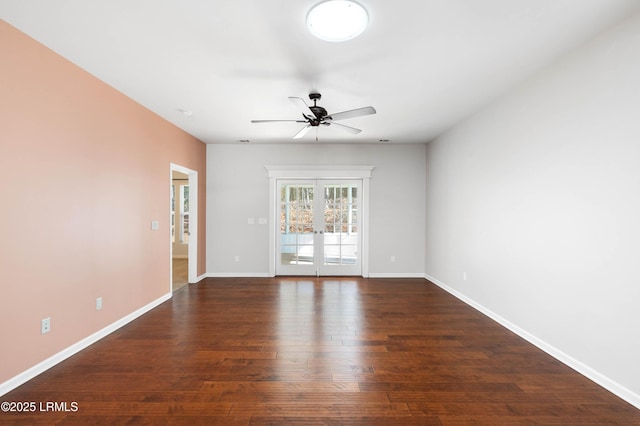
(319, 320)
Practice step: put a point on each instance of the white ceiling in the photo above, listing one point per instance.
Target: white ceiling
(423, 64)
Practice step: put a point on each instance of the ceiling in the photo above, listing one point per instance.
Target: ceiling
(423, 64)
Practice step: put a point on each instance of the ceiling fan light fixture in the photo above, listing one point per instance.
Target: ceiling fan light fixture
(337, 20)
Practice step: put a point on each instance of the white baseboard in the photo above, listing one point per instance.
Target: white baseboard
(199, 278)
(266, 275)
(611, 385)
(237, 275)
(41, 367)
(396, 275)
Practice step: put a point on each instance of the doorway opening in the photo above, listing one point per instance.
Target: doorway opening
(319, 227)
(183, 225)
(319, 217)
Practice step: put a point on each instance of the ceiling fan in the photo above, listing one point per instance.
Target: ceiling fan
(315, 116)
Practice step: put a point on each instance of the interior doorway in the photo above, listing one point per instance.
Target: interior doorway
(183, 226)
(179, 229)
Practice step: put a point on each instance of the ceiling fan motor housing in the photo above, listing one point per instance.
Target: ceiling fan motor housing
(318, 111)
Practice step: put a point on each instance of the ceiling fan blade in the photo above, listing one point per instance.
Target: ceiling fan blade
(302, 105)
(278, 121)
(352, 113)
(351, 130)
(302, 132)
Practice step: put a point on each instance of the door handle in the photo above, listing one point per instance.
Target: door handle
(318, 232)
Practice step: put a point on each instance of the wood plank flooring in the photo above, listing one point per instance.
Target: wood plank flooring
(180, 273)
(316, 351)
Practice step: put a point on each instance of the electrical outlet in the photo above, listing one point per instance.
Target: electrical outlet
(45, 326)
(464, 276)
(392, 259)
(98, 303)
(237, 258)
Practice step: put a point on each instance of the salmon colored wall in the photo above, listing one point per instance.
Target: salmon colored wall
(85, 171)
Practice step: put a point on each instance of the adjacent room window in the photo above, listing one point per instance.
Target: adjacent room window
(184, 214)
(173, 213)
(180, 227)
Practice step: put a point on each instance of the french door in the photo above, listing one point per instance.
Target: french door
(319, 230)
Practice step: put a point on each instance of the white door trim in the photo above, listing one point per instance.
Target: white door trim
(193, 222)
(318, 172)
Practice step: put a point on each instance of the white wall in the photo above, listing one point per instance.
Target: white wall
(238, 189)
(537, 199)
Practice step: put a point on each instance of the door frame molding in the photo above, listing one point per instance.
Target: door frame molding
(318, 172)
(193, 223)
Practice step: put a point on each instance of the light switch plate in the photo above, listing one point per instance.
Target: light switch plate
(45, 325)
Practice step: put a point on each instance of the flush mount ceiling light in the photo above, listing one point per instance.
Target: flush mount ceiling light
(337, 20)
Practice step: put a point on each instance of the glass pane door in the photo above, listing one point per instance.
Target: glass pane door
(341, 239)
(318, 232)
(296, 242)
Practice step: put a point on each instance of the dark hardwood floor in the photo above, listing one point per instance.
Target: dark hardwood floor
(316, 351)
